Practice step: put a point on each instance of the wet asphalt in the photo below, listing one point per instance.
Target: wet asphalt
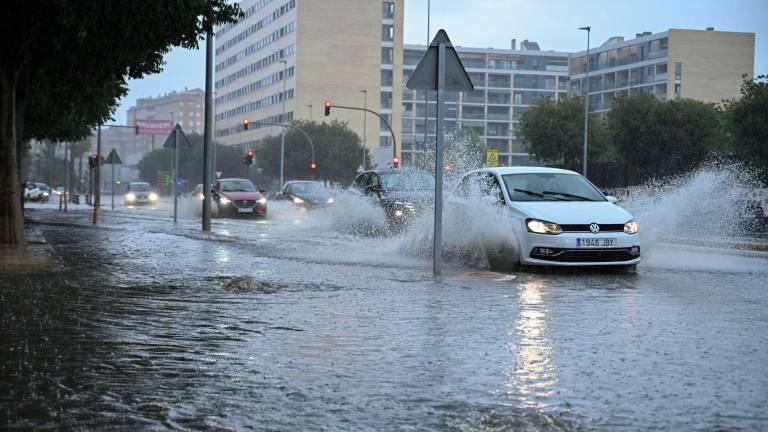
(135, 329)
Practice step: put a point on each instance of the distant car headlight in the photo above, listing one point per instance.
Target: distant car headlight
(225, 200)
(543, 227)
(130, 197)
(46, 194)
(631, 227)
(153, 196)
(297, 200)
(201, 197)
(261, 200)
(330, 200)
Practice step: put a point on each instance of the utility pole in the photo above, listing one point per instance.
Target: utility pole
(426, 92)
(208, 133)
(365, 129)
(586, 107)
(97, 179)
(282, 119)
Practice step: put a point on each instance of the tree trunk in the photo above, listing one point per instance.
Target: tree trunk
(11, 215)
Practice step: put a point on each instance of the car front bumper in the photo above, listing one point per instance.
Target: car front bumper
(564, 249)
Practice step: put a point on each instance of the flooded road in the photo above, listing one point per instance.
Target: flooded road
(139, 331)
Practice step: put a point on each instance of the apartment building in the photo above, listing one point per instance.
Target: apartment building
(284, 58)
(506, 83)
(706, 65)
(187, 108)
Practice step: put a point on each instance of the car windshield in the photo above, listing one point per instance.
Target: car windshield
(407, 180)
(550, 187)
(140, 187)
(308, 187)
(42, 186)
(237, 186)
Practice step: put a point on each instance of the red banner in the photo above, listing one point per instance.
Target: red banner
(154, 127)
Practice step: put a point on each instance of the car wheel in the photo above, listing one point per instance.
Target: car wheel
(503, 258)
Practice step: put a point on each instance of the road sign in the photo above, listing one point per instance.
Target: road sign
(113, 158)
(170, 142)
(492, 158)
(440, 69)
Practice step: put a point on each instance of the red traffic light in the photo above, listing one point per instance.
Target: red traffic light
(447, 167)
(246, 123)
(395, 162)
(328, 106)
(251, 153)
(313, 166)
(92, 161)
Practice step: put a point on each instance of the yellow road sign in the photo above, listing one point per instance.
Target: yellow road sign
(491, 157)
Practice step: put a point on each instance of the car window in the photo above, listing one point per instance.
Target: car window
(404, 179)
(373, 182)
(550, 187)
(237, 186)
(140, 187)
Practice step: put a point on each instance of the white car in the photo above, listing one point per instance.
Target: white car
(556, 218)
(139, 193)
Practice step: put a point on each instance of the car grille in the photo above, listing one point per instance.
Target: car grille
(245, 204)
(585, 227)
(588, 255)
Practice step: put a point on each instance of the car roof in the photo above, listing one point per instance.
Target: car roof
(525, 170)
(303, 181)
(233, 179)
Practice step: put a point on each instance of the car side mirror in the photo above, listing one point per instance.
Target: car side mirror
(611, 199)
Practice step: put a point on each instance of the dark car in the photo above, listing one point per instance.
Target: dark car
(235, 197)
(402, 192)
(306, 194)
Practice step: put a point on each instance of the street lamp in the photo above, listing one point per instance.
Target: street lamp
(282, 118)
(586, 107)
(365, 129)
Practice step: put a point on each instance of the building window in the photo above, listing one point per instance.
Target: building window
(386, 78)
(388, 10)
(386, 100)
(386, 55)
(384, 122)
(384, 141)
(678, 71)
(387, 32)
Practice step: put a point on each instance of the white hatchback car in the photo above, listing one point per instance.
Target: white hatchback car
(557, 218)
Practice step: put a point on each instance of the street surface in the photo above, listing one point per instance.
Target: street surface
(137, 330)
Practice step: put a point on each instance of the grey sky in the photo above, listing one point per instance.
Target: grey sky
(493, 23)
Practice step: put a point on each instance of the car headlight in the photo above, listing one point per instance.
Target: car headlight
(130, 197)
(404, 205)
(543, 227)
(631, 227)
(153, 196)
(262, 200)
(330, 200)
(46, 194)
(297, 200)
(225, 200)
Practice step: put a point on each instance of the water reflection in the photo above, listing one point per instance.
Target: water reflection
(532, 378)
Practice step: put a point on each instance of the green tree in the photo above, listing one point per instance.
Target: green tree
(338, 150)
(64, 66)
(553, 132)
(663, 138)
(747, 119)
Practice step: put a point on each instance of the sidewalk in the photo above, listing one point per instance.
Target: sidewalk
(38, 256)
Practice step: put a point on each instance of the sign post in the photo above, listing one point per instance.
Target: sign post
(440, 69)
(172, 141)
(113, 159)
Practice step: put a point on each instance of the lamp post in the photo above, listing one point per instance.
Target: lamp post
(426, 92)
(282, 119)
(586, 107)
(365, 129)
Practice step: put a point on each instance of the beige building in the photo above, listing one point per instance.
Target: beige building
(286, 57)
(186, 108)
(706, 65)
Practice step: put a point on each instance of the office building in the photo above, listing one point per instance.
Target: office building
(186, 108)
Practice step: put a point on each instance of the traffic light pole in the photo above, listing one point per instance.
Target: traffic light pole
(391, 132)
(208, 145)
(175, 172)
(97, 186)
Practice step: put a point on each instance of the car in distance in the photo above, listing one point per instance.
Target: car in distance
(139, 193)
(197, 193)
(306, 194)
(401, 192)
(234, 196)
(45, 191)
(556, 218)
(32, 192)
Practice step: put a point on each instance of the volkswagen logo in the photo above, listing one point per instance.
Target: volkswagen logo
(594, 228)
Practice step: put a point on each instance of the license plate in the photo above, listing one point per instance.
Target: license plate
(245, 210)
(595, 242)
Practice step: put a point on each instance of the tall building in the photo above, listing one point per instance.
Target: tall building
(506, 83)
(284, 58)
(187, 108)
(706, 65)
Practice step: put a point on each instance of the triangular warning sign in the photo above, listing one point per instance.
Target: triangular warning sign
(113, 158)
(170, 142)
(425, 75)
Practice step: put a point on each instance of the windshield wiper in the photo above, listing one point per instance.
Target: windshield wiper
(532, 193)
(567, 195)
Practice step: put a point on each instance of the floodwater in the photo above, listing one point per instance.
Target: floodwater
(138, 331)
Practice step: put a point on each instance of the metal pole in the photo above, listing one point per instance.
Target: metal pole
(113, 187)
(437, 266)
(68, 164)
(282, 119)
(208, 133)
(97, 179)
(153, 142)
(426, 92)
(365, 129)
(586, 109)
(175, 172)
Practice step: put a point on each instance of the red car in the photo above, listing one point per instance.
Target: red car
(235, 196)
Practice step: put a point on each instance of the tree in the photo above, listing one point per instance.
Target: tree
(338, 150)
(553, 132)
(747, 119)
(663, 138)
(64, 65)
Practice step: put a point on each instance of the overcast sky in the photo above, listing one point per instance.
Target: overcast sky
(493, 23)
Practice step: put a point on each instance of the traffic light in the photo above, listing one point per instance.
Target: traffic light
(313, 166)
(447, 168)
(167, 179)
(246, 124)
(395, 162)
(92, 161)
(328, 106)
(248, 158)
